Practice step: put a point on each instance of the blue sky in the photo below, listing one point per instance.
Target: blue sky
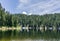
(31, 6)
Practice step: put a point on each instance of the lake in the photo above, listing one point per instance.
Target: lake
(14, 35)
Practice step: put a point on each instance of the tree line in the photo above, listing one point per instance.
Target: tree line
(8, 19)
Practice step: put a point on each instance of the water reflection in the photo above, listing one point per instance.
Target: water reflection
(32, 35)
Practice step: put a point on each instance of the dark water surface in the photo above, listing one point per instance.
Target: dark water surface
(29, 36)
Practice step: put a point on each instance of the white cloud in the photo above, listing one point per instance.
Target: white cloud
(24, 12)
(24, 1)
(43, 7)
(22, 4)
(30, 14)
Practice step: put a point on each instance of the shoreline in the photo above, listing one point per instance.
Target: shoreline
(9, 28)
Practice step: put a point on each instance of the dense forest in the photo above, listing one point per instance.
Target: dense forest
(8, 19)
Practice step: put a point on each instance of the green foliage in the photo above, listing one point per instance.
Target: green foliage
(7, 19)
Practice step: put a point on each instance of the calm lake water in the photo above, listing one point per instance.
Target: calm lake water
(29, 36)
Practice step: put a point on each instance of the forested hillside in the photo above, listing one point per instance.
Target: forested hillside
(7, 19)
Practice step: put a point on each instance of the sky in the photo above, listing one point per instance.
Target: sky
(37, 7)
